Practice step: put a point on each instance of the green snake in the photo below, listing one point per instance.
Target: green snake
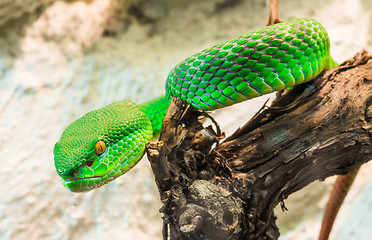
(106, 143)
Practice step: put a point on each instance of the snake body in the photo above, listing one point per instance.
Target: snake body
(105, 143)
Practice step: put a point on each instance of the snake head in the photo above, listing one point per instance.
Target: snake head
(101, 146)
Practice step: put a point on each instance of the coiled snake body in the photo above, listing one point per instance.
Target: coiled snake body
(105, 143)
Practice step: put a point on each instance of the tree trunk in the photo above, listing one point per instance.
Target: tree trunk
(228, 190)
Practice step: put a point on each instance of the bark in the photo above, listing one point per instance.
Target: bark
(228, 190)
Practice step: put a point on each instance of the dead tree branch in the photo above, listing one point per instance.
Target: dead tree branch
(314, 131)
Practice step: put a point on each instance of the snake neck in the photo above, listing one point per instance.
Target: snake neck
(155, 110)
(330, 63)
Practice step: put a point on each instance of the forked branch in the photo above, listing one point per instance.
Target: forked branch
(314, 131)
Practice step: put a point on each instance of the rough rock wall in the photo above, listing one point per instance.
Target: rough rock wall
(73, 57)
(10, 9)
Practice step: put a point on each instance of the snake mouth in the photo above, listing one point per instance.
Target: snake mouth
(78, 184)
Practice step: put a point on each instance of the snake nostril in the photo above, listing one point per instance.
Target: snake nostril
(89, 163)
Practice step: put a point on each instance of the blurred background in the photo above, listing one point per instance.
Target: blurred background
(60, 59)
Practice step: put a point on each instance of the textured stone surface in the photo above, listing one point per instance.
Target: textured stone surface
(10, 9)
(62, 67)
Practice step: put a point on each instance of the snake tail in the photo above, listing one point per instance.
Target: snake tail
(337, 197)
(106, 143)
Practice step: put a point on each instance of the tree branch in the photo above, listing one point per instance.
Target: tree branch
(314, 131)
(273, 15)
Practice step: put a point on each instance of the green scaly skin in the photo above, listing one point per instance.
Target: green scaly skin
(260, 62)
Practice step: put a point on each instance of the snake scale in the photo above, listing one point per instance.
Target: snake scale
(105, 143)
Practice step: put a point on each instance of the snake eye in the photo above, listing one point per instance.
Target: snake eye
(100, 147)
